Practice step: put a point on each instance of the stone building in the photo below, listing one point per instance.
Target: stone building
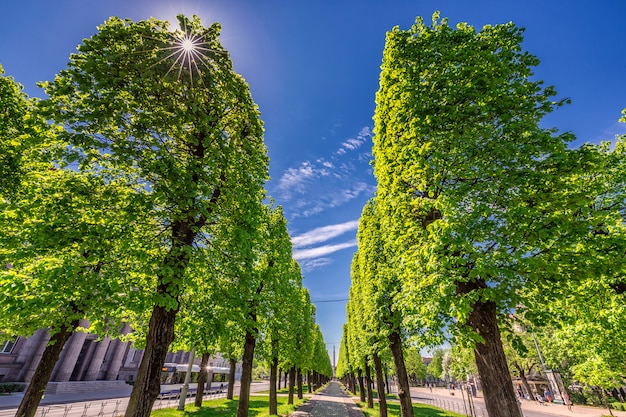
(85, 364)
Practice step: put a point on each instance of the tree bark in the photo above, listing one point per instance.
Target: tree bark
(299, 382)
(161, 326)
(246, 374)
(231, 378)
(380, 384)
(292, 382)
(273, 395)
(368, 382)
(39, 381)
(148, 383)
(522, 376)
(491, 362)
(404, 393)
(361, 386)
(202, 378)
(309, 382)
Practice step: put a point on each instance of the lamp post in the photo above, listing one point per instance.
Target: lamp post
(554, 388)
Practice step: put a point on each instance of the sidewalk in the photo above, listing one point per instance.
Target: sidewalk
(332, 401)
(14, 400)
(558, 410)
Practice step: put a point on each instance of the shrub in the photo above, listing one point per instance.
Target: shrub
(8, 387)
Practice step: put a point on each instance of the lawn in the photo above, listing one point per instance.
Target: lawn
(419, 410)
(259, 407)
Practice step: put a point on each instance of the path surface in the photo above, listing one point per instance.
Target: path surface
(332, 401)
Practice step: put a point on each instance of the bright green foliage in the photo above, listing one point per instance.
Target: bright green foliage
(78, 256)
(343, 360)
(472, 188)
(321, 361)
(415, 366)
(184, 125)
(482, 203)
(20, 131)
(458, 363)
(435, 367)
(67, 235)
(191, 133)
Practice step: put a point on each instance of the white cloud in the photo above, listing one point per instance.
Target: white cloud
(317, 185)
(324, 233)
(322, 250)
(354, 143)
(308, 265)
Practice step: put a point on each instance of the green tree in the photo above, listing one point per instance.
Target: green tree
(262, 290)
(415, 366)
(183, 121)
(478, 198)
(380, 288)
(435, 367)
(67, 235)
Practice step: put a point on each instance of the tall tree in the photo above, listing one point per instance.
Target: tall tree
(478, 198)
(381, 287)
(167, 106)
(262, 288)
(67, 238)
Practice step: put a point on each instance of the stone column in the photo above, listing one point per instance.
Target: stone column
(67, 361)
(30, 355)
(91, 374)
(118, 349)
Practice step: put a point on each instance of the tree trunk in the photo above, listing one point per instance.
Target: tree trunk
(246, 374)
(202, 378)
(299, 380)
(231, 378)
(292, 382)
(387, 381)
(361, 386)
(161, 327)
(273, 396)
(522, 376)
(368, 382)
(39, 381)
(285, 376)
(148, 383)
(492, 366)
(404, 393)
(380, 384)
(309, 382)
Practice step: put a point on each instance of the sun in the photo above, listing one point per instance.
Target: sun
(187, 45)
(188, 54)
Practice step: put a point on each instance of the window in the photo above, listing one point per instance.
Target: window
(7, 345)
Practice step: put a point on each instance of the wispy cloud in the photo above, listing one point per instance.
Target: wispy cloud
(308, 265)
(323, 234)
(321, 251)
(304, 189)
(354, 143)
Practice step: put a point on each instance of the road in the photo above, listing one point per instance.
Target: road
(111, 407)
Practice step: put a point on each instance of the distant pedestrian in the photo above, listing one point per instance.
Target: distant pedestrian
(547, 395)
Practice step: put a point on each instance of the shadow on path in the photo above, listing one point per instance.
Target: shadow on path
(332, 401)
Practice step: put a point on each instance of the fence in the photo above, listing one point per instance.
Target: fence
(101, 408)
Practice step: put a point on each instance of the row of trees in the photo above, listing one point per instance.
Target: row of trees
(134, 193)
(483, 217)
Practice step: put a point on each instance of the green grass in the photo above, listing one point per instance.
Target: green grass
(259, 407)
(419, 410)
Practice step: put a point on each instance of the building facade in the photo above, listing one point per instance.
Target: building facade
(102, 364)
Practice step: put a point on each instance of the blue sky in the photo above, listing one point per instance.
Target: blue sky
(313, 68)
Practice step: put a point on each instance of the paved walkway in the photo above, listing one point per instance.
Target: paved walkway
(332, 401)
